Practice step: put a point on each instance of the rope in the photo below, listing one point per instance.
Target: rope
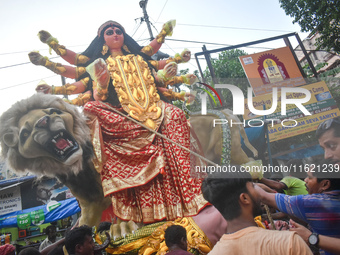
(160, 135)
(270, 218)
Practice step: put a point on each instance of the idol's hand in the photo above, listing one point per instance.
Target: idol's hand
(44, 88)
(168, 27)
(170, 70)
(190, 79)
(99, 72)
(189, 97)
(186, 55)
(44, 36)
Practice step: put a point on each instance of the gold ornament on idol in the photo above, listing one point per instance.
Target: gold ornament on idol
(105, 49)
(136, 89)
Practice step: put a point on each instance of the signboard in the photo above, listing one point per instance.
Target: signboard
(321, 106)
(273, 68)
(24, 220)
(41, 193)
(10, 200)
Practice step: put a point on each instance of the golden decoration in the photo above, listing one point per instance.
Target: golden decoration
(148, 50)
(59, 49)
(126, 49)
(196, 239)
(80, 71)
(136, 89)
(55, 67)
(105, 49)
(81, 59)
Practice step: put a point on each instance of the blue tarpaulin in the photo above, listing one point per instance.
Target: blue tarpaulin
(256, 136)
(67, 208)
(303, 153)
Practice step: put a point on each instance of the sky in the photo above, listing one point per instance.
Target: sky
(75, 24)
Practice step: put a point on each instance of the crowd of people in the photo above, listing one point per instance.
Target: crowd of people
(314, 218)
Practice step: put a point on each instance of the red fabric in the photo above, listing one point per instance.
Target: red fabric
(7, 249)
(135, 160)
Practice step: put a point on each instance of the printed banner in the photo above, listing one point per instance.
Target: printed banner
(41, 193)
(273, 68)
(24, 220)
(322, 106)
(10, 200)
(37, 217)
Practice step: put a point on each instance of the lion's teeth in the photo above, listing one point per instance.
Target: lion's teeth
(54, 141)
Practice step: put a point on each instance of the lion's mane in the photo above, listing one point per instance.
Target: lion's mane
(42, 165)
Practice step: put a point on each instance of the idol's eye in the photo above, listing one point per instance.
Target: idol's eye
(109, 32)
(24, 134)
(118, 31)
(55, 111)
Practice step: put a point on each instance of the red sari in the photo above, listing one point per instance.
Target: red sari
(148, 177)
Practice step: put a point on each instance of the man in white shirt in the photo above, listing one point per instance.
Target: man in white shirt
(51, 232)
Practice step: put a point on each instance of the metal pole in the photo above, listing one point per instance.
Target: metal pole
(63, 82)
(212, 73)
(306, 55)
(143, 4)
(287, 42)
(199, 68)
(267, 137)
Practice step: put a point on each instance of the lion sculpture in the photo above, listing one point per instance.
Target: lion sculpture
(212, 137)
(47, 136)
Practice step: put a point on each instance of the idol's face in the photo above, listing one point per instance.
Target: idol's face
(114, 38)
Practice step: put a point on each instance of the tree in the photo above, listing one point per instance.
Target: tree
(321, 16)
(228, 69)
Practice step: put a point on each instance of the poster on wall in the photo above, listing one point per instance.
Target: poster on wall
(321, 105)
(10, 200)
(273, 68)
(36, 193)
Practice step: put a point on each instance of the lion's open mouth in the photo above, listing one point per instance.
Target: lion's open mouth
(62, 145)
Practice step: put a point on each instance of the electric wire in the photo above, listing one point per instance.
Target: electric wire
(20, 84)
(240, 28)
(25, 63)
(161, 11)
(140, 23)
(171, 39)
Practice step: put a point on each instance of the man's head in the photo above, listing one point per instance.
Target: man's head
(320, 177)
(296, 167)
(176, 237)
(29, 251)
(328, 134)
(233, 194)
(51, 232)
(79, 241)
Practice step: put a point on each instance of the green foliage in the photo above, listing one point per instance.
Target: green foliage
(309, 72)
(321, 16)
(227, 65)
(184, 71)
(228, 69)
